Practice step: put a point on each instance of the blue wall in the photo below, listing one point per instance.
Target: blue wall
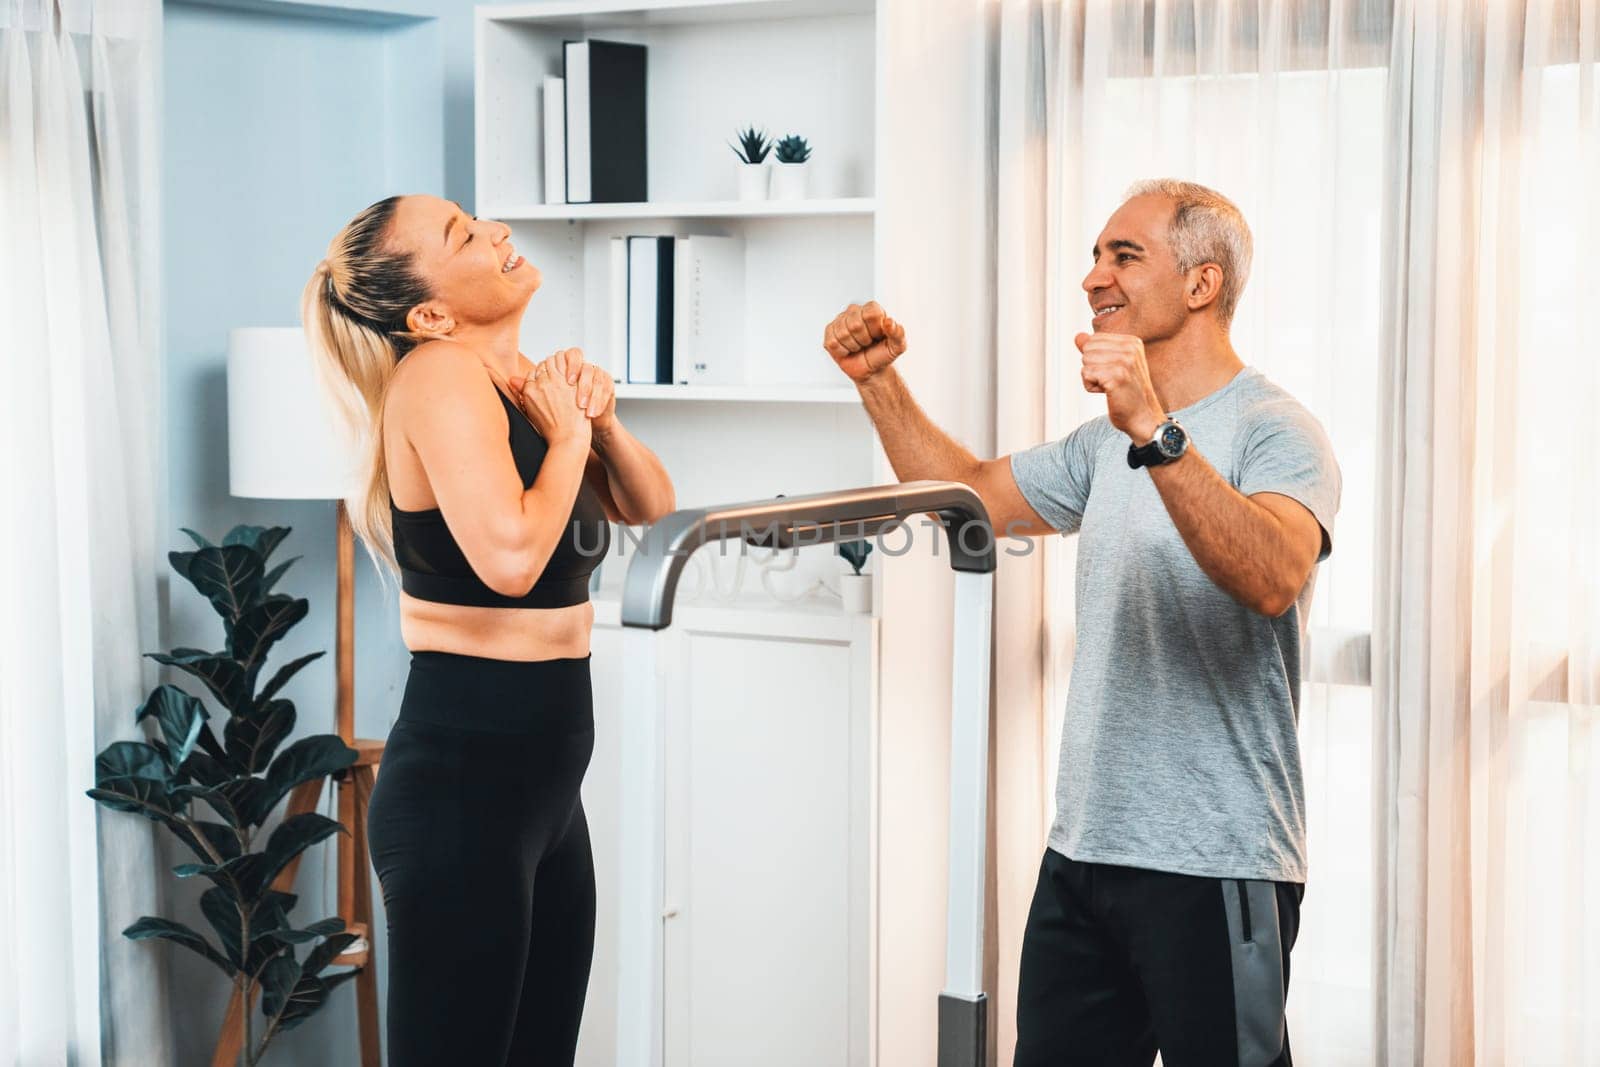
(281, 121)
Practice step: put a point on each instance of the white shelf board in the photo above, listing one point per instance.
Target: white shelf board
(706, 209)
(603, 14)
(779, 394)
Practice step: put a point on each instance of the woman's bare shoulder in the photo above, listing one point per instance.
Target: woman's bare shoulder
(438, 370)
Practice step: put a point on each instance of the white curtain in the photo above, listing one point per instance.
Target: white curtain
(1486, 663)
(82, 490)
(1280, 107)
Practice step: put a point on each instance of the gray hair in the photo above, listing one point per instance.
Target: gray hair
(1207, 227)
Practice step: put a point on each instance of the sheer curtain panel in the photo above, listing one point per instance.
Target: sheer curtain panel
(81, 489)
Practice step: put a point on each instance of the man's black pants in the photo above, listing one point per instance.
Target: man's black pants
(1118, 962)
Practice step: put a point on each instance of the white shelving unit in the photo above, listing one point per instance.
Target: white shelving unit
(800, 66)
(795, 426)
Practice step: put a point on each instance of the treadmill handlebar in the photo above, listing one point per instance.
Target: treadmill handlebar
(788, 522)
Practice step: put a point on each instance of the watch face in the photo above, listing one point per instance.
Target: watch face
(1171, 439)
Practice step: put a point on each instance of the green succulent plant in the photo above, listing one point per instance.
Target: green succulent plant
(855, 553)
(241, 779)
(792, 149)
(753, 145)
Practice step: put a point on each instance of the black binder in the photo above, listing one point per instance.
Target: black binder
(605, 85)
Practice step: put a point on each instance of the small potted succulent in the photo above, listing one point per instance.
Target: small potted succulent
(789, 179)
(855, 589)
(752, 151)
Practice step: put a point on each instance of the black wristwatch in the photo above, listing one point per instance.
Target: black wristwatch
(1171, 441)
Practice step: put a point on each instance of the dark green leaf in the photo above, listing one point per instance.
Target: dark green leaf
(221, 838)
(253, 738)
(284, 673)
(293, 836)
(227, 576)
(261, 625)
(308, 758)
(322, 928)
(180, 717)
(129, 759)
(224, 677)
(222, 912)
(131, 776)
(262, 540)
(122, 797)
(278, 980)
(206, 769)
(236, 799)
(270, 579)
(271, 916)
(241, 876)
(325, 953)
(166, 930)
(199, 542)
(309, 995)
(280, 902)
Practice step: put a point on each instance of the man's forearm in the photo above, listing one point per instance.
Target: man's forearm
(916, 447)
(1240, 545)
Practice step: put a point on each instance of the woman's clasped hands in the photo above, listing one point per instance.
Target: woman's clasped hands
(566, 397)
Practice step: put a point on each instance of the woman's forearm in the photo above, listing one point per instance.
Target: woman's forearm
(639, 483)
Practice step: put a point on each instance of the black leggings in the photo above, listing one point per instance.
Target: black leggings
(479, 840)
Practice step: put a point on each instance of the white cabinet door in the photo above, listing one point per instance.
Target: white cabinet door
(767, 816)
(766, 824)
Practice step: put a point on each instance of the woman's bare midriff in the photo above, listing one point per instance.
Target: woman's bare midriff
(496, 633)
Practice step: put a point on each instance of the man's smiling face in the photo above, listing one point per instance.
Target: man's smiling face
(1135, 287)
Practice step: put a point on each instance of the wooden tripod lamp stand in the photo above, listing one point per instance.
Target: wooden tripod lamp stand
(282, 445)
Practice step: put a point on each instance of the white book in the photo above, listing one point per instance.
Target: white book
(615, 358)
(643, 259)
(576, 56)
(555, 141)
(708, 314)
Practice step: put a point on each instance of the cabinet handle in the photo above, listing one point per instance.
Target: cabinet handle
(669, 913)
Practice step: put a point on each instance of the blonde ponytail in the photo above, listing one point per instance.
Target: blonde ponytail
(353, 312)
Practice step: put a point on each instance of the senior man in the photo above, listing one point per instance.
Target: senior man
(1169, 893)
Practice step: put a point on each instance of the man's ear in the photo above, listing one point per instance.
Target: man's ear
(429, 318)
(1204, 286)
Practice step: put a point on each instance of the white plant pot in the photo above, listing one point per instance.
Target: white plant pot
(856, 592)
(753, 181)
(789, 180)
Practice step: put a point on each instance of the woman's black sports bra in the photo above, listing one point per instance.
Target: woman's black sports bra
(433, 567)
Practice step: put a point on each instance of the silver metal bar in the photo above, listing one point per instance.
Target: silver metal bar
(641, 835)
(787, 522)
(969, 784)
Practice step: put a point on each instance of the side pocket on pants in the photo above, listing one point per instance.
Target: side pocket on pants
(1258, 993)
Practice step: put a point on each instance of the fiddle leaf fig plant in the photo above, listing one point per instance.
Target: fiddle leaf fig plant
(215, 795)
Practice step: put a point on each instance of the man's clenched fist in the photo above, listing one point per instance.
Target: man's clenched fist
(863, 340)
(1114, 364)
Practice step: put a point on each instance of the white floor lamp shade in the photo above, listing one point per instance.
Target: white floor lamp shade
(283, 442)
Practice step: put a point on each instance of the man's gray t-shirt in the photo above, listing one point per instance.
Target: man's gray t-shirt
(1179, 749)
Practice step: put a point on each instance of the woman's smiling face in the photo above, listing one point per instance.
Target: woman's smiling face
(475, 274)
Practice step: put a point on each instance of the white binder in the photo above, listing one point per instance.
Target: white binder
(708, 314)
